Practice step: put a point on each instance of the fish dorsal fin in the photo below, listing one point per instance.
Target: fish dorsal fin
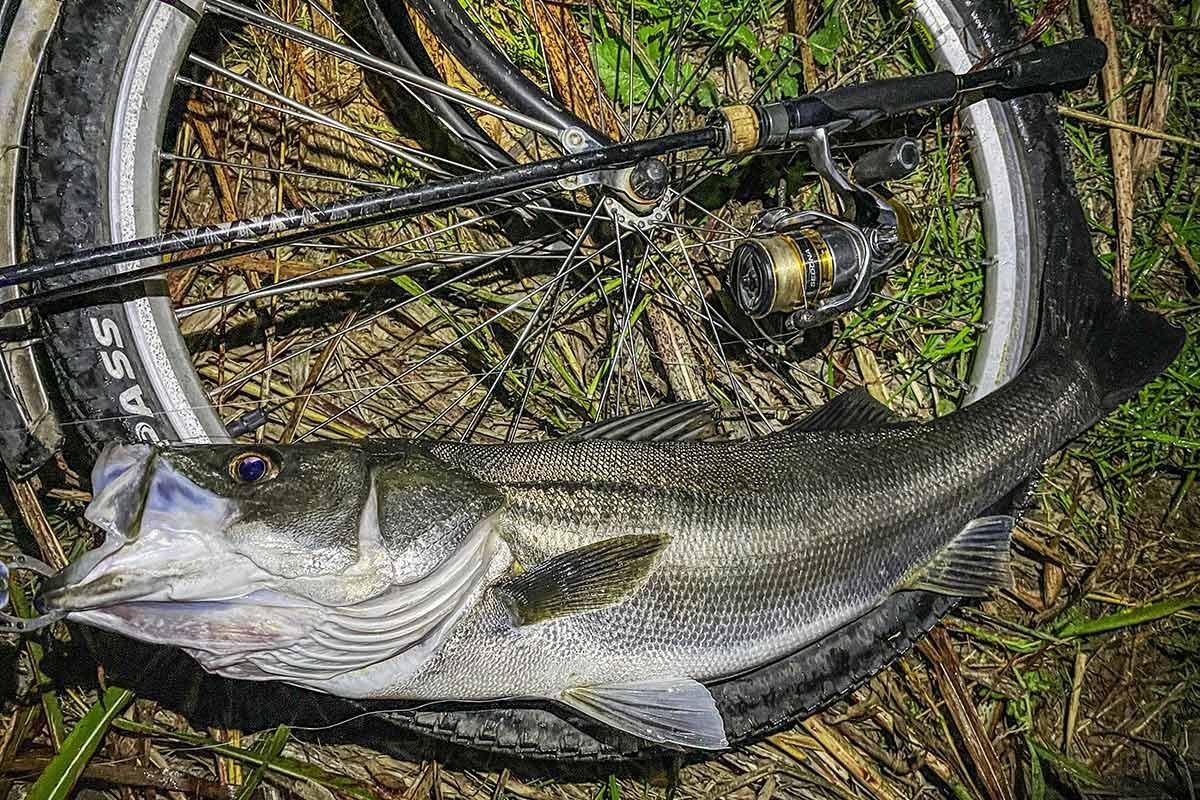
(974, 561)
(677, 712)
(584, 579)
(690, 420)
(853, 409)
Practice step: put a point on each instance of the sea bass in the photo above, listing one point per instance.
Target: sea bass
(614, 571)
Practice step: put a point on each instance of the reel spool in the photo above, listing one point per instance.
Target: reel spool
(798, 267)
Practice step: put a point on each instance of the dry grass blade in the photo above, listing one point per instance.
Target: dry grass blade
(1081, 660)
(19, 727)
(572, 74)
(938, 648)
(1097, 119)
(868, 367)
(684, 374)
(315, 371)
(24, 494)
(135, 777)
(1119, 142)
(453, 73)
(197, 117)
(1181, 248)
(847, 755)
(1152, 116)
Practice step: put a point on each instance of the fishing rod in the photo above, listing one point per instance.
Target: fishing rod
(731, 131)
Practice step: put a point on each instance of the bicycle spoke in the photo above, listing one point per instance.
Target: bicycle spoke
(299, 110)
(623, 331)
(671, 56)
(739, 390)
(568, 264)
(311, 280)
(937, 312)
(503, 313)
(241, 379)
(289, 173)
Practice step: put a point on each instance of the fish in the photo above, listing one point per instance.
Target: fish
(616, 570)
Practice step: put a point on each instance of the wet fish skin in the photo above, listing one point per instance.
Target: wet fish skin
(727, 555)
(774, 542)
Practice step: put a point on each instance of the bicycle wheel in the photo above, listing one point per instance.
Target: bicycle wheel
(511, 318)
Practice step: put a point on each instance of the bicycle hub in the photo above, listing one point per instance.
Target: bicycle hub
(648, 180)
(797, 268)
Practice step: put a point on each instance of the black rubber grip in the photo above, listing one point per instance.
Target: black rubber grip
(1058, 65)
(861, 105)
(894, 95)
(888, 163)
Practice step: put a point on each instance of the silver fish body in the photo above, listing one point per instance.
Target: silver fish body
(773, 542)
(612, 574)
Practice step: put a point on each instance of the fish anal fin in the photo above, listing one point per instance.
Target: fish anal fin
(974, 561)
(850, 410)
(678, 712)
(691, 420)
(584, 579)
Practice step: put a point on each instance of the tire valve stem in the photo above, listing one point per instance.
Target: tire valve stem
(248, 422)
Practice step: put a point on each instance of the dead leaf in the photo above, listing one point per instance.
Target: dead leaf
(1119, 142)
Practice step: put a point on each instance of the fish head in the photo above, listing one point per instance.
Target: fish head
(213, 522)
(269, 563)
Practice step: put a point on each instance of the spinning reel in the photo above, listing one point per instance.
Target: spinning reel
(804, 268)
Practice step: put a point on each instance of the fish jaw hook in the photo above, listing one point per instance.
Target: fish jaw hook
(10, 623)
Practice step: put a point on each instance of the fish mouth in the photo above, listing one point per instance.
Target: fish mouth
(163, 541)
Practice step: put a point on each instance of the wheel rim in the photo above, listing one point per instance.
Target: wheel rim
(161, 45)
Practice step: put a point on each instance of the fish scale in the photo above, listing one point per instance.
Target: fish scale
(773, 541)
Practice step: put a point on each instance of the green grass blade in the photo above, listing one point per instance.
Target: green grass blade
(50, 704)
(1125, 619)
(271, 748)
(59, 777)
(1037, 780)
(290, 767)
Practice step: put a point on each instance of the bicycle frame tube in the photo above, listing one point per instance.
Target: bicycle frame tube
(459, 34)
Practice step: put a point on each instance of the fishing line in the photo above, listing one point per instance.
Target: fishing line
(380, 711)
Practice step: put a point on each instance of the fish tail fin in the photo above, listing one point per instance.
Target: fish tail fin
(1123, 345)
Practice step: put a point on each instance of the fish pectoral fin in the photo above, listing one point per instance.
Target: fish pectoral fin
(974, 561)
(678, 712)
(690, 420)
(583, 579)
(854, 409)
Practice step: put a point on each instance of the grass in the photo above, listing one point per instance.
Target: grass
(1082, 681)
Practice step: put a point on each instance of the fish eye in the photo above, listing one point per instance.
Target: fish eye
(251, 467)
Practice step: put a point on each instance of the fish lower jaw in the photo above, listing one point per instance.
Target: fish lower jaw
(158, 566)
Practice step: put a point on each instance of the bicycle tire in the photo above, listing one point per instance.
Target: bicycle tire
(68, 184)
